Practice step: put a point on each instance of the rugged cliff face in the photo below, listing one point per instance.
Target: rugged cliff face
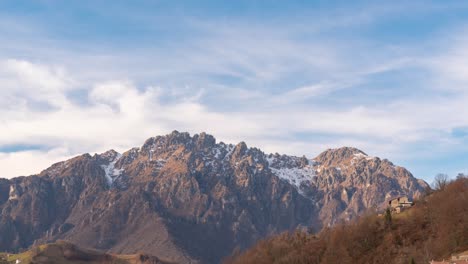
(188, 198)
(436, 227)
(347, 182)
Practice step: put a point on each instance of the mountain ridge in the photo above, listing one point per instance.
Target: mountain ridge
(434, 228)
(200, 198)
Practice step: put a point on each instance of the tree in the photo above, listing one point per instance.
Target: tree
(388, 217)
(461, 176)
(440, 181)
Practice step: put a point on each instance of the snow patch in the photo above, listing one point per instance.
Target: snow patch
(229, 148)
(13, 195)
(111, 172)
(270, 159)
(295, 176)
(319, 168)
(217, 153)
(361, 156)
(291, 169)
(150, 154)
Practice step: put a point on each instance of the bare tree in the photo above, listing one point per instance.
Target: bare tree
(440, 181)
(461, 176)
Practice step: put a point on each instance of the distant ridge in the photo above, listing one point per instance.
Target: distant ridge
(63, 252)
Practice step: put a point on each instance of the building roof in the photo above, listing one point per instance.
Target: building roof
(396, 197)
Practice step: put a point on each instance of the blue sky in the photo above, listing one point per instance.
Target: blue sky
(294, 77)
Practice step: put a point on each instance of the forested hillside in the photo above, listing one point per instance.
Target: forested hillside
(434, 228)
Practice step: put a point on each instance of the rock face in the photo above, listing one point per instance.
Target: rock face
(190, 199)
(346, 181)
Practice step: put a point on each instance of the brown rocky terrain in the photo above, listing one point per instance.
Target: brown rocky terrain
(190, 199)
(63, 252)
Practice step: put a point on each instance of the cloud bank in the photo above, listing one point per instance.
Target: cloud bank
(284, 88)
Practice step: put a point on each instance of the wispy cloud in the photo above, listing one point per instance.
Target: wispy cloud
(292, 86)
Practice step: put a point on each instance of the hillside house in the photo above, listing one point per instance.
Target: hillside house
(398, 204)
(460, 258)
(451, 261)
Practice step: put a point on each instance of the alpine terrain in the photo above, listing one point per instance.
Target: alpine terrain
(190, 199)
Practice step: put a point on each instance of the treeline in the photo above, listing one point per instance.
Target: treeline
(434, 228)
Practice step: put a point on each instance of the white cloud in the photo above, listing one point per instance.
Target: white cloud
(33, 82)
(119, 115)
(44, 78)
(450, 67)
(253, 83)
(25, 163)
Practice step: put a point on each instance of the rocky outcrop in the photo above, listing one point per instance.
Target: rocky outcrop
(345, 182)
(190, 199)
(352, 182)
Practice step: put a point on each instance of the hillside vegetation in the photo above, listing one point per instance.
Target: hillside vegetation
(66, 253)
(435, 227)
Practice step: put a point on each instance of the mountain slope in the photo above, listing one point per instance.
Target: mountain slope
(188, 198)
(66, 253)
(435, 228)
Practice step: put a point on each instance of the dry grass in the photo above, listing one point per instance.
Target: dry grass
(434, 228)
(66, 253)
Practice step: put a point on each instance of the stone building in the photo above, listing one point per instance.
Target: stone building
(398, 204)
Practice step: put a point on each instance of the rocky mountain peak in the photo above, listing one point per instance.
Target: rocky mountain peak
(109, 155)
(240, 150)
(334, 157)
(201, 199)
(204, 140)
(176, 139)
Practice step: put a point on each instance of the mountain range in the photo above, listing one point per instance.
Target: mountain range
(190, 199)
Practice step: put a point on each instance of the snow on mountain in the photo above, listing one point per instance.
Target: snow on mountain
(111, 173)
